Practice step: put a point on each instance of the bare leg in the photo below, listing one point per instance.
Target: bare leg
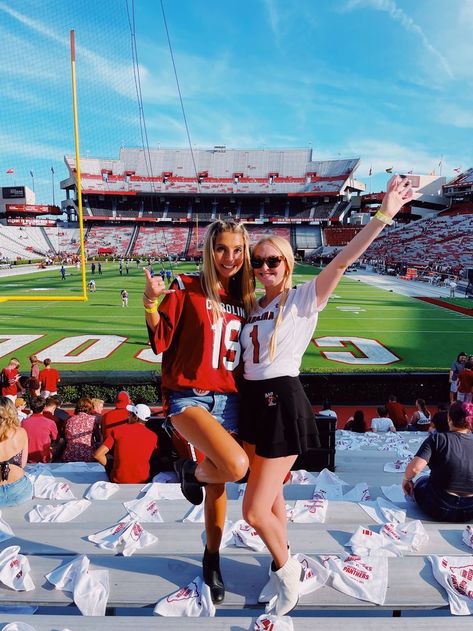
(279, 506)
(215, 513)
(263, 492)
(225, 460)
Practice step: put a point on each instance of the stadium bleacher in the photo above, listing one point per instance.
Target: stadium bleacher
(115, 237)
(23, 242)
(160, 242)
(441, 238)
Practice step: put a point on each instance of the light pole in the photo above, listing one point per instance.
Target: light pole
(52, 183)
(32, 179)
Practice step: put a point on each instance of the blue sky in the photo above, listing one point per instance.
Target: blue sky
(389, 81)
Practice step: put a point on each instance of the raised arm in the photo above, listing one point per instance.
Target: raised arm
(154, 288)
(399, 192)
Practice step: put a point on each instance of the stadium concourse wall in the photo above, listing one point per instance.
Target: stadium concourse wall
(341, 389)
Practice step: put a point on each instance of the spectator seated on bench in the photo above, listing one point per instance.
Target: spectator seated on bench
(133, 445)
(447, 493)
(382, 423)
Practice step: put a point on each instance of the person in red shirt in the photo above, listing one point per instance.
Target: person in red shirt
(197, 328)
(117, 416)
(465, 383)
(48, 379)
(11, 380)
(397, 413)
(133, 445)
(42, 433)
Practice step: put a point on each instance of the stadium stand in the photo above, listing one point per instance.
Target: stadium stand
(307, 237)
(258, 232)
(442, 238)
(137, 582)
(23, 243)
(115, 237)
(340, 236)
(160, 242)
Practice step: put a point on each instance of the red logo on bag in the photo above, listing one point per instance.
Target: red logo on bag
(265, 624)
(152, 508)
(185, 593)
(461, 579)
(120, 528)
(136, 531)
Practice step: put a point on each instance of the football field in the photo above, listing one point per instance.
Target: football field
(363, 328)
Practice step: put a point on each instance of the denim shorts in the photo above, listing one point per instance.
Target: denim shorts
(16, 492)
(223, 407)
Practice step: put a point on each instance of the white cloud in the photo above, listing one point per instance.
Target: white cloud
(398, 15)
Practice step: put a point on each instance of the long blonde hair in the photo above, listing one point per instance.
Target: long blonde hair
(242, 285)
(8, 418)
(284, 248)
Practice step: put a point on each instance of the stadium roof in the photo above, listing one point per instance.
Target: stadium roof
(464, 179)
(214, 171)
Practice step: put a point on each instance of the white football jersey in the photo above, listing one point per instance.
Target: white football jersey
(294, 333)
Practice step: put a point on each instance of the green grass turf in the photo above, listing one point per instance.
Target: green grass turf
(423, 336)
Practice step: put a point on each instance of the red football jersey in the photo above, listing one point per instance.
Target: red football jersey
(196, 353)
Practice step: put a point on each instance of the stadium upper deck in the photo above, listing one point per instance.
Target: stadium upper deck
(218, 171)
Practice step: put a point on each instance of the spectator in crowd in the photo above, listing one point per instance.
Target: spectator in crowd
(51, 407)
(42, 433)
(278, 427)
(457, 366)
(465, 383)
(15, 486)
(420, 420)
(397, 413)
(356, 423)
(34, 370)
(198, 377)
(11, 380)
(132, 445)
(48, 378)
(20, 405)
(439, 420)
(447, 493)
(327, 410)
(382, 423)
(81, 433)
(118, 416)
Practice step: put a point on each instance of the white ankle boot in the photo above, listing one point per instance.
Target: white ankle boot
(270, 589)
(289, 578)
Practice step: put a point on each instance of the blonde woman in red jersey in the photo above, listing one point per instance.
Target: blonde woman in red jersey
(197, 328)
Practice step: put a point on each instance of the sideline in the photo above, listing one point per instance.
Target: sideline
(409, 288)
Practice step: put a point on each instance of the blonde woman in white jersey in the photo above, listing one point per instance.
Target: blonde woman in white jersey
(276, 420)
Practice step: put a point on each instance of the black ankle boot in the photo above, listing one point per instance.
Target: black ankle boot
(212, 575)
(191, 487)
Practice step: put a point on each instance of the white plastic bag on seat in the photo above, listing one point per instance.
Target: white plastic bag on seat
(315, 574)
(127, 536)
(309, 511)
(101, 490)
(365, 578)
(191, 601)
(15, 570)
(455, 575)
(268, 622)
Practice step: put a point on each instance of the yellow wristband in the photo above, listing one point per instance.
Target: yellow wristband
(384, 218)
(153, 309)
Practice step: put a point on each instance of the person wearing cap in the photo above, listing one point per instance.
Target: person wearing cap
(117, 416)
(133, 445)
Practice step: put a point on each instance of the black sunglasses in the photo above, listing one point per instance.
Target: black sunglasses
(271, 261)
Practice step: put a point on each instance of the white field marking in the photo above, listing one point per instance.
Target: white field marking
(11, 343)
(102, 347)
(147, 355)
(348, 308)
(374, 352)
(40, 289)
